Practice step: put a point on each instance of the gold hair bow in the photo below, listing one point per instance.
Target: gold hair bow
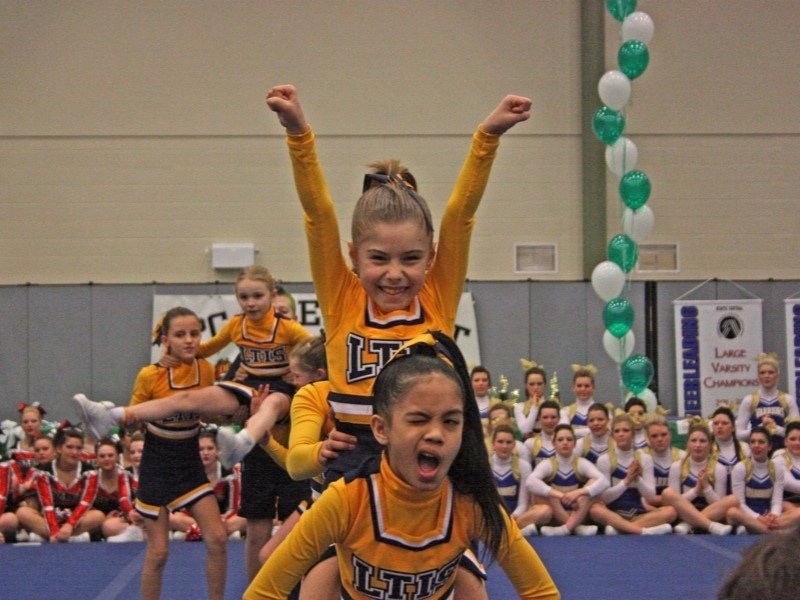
(767, 357)
(697, 420)
(529, 364)
(157, 331)
(591, 369)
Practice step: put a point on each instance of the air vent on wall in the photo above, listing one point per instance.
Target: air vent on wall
(535, 258)
(658, 258)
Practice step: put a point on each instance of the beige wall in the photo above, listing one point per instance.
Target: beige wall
(134, 135)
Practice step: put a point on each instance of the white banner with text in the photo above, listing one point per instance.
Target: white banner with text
(716, 342)
(215, 309)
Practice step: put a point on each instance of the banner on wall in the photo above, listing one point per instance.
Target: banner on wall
(792, 312)
(215, 309)
(716, 342)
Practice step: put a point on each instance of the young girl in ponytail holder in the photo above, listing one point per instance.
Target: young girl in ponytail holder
(403, 521)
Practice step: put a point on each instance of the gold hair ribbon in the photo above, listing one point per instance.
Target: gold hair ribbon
(157, 331)
(529, 364)
(697, 421)
(591, 369)
(768, 357)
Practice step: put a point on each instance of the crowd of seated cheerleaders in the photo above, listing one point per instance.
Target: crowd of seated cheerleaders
(58, 485)
(584, 469)
(577, 469)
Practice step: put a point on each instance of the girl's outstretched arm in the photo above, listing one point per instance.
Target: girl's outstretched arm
(510, 111)
(283, 101)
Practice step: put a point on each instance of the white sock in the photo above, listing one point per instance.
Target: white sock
(657, 529)
(118, 413)
(244, 437)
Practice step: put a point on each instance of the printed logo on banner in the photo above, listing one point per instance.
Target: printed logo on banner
(730, 327)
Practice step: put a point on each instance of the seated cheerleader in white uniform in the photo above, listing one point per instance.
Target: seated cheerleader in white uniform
(509, 469)
(727, 448)
(540, 446)
(583, 386)
(630, 475)
(637, 409)
(526, 413)
(789, 462)
(594, 445)
(660, 448)
(758, 486)
(563, 488)
(697, 486)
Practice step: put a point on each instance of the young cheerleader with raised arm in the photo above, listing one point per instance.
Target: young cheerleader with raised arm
(265, 340)
(697, 486)
(399, 284)
(402, 521)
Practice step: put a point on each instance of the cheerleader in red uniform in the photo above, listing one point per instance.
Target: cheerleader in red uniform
(122, 523)
(8, 520)
(66, 489)
(21, 454)
(136, 449)
(227, 485)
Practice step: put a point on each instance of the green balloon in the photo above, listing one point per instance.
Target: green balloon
(623, 251)
(637, 373)
(634, 187)
(608, 124)
(620, 9)
(633, 57)
(618, 317)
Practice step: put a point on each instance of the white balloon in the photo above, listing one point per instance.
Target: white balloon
(622, 156)
(638, 26)
(608, 280)
(638, 224)
(614, 89)
(618, 348)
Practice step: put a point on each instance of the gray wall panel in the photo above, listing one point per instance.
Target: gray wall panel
(60, 357)
(59, 340)
(13, 349)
